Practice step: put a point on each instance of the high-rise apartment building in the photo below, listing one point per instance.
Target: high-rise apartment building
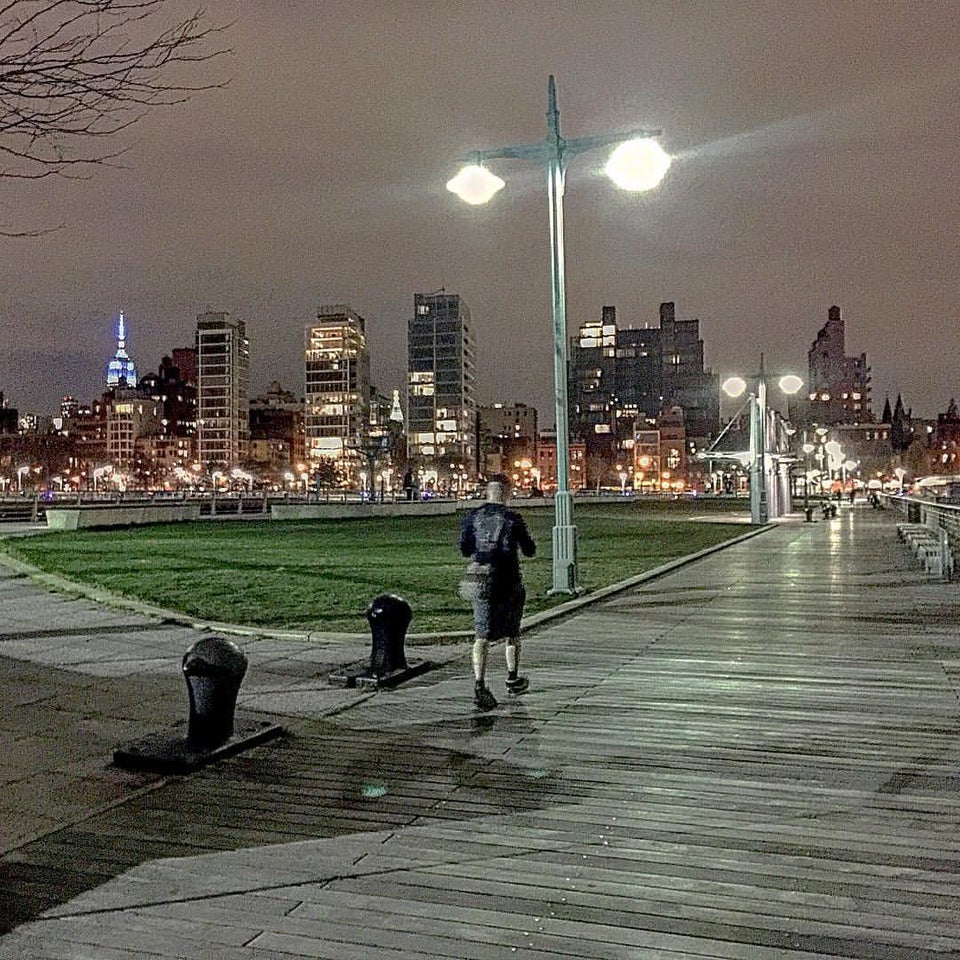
(337, 388)
(839, 386)
(223, 372)
(441, 388)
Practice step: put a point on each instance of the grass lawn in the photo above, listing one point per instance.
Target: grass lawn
(320, 575)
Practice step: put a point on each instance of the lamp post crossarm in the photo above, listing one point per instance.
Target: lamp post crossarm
(542, 151)
(530, 151)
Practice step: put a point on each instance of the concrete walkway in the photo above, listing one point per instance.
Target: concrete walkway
(755, 756)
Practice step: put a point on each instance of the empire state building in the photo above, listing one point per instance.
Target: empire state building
(121, 371)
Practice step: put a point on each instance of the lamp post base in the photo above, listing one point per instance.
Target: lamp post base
(565, 560)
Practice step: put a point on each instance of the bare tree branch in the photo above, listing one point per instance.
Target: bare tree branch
(75, 74)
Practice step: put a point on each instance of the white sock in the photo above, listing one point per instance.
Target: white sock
(480, 649)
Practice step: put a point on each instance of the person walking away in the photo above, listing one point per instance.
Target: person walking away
(493, 537)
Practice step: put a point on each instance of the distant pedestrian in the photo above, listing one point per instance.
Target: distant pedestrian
(491, 536)
(408, 484)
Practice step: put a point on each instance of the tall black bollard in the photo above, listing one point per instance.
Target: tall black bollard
(214, 669)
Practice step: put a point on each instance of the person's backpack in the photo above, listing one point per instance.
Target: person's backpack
(489, 528)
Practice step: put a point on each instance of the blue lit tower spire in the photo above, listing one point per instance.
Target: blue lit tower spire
(121, 371)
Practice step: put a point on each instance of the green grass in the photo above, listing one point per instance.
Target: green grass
(320, 575)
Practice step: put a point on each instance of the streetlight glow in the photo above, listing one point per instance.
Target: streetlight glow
(475, 184)
(638, 165)
(790, 384)
(734, 386)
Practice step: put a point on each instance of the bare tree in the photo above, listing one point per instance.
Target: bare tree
(74, 74)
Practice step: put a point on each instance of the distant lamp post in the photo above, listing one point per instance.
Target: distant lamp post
(807, 448)
(735, 387)
(638, 164)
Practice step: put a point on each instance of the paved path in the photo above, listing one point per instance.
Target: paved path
(754, 757)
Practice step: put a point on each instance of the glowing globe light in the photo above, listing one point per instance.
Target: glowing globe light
(734, 386)
(638, 165)
(475, 184)
(790, 383)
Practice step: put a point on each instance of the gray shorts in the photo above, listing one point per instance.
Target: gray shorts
(499, 615)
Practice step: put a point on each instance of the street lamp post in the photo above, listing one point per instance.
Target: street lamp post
(734, 387)
(639, 163)
(807, 448)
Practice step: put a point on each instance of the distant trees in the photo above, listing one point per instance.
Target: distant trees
(74, 74)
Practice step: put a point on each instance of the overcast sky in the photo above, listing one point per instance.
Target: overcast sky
(816, 159)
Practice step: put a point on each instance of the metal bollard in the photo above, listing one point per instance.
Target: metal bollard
(214, 669)
(388, 616)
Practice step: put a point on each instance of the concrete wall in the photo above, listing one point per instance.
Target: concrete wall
(356, 511)
(122, 515)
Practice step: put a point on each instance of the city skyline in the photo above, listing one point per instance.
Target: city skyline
(811, 169)
(107, 372)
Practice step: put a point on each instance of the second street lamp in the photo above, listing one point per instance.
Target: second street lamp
(734, 387)
(639, 163)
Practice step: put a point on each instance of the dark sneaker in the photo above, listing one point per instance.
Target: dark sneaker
(520, 685)
(483, 698)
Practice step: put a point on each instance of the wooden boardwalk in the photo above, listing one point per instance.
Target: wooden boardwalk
(754, 758)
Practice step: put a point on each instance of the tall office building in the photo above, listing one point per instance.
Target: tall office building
(223, 372)
(441, 388)
(839, 386)
(337, 389)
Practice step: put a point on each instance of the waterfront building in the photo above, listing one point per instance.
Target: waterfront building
(508, 442)
(838, 385)
(337, 390)
(441, 390)
(618, 377)
(223, 411)
(277, 432)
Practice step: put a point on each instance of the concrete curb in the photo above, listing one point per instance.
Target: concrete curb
(529, 624)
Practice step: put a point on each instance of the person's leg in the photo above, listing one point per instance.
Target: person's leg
(482, 696)
(515, 683)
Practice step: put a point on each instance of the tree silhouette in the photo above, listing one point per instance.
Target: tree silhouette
(74, 74)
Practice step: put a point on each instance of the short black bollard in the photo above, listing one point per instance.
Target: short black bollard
(214, 669)
(388, 616)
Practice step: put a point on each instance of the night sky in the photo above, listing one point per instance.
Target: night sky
(816, 162)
